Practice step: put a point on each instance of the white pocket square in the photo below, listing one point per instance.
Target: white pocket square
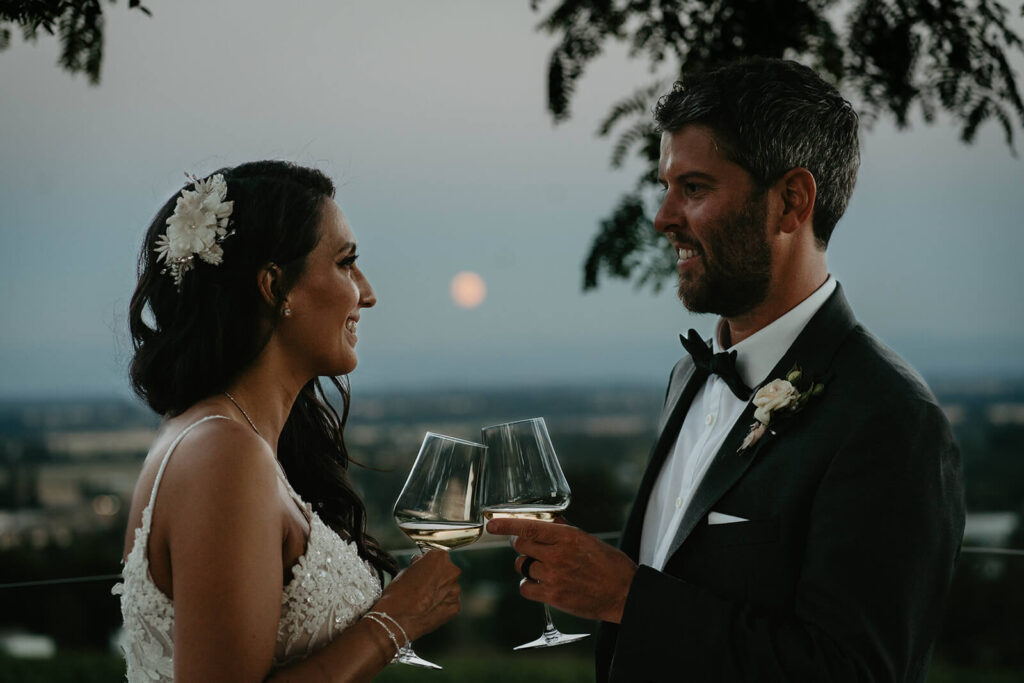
(722, 518)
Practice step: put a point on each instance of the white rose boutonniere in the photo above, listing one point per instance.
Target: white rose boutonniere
(778, 398)
(777, 394)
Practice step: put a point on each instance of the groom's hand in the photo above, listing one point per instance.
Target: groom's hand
(572, 570)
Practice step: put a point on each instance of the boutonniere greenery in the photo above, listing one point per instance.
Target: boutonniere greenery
(778, 399)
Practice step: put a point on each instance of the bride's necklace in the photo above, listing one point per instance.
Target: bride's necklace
(244, 414)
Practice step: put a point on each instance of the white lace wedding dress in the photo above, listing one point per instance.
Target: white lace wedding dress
(331, 587)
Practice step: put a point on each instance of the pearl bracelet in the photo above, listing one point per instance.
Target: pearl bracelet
(387, 630)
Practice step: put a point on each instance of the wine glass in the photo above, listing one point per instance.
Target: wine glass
(524, 480)
(439, 506)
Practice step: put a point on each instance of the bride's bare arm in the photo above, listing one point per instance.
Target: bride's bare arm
(224, 525)
(224, 533)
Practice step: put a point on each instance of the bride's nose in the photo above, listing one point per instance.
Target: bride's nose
(367, 297)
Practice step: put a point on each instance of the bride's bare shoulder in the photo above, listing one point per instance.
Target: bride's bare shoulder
(220, 455)
(219, 485)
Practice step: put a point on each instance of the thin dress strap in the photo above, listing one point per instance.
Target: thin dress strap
(302, 505)
(170, 449)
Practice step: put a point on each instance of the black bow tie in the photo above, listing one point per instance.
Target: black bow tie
(722, 364)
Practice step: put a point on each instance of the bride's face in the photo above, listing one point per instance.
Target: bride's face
(327, 298)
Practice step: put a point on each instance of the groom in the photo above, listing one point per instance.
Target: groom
(805, 532)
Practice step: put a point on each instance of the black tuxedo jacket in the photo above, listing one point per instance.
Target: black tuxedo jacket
(856, 512)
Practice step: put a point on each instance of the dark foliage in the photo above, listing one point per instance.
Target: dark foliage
(78, 23)
(76, 615)
(993, 467)
(891, 57)
(985, 615)
(66, 667)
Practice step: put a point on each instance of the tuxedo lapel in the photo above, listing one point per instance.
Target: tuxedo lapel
(727, 467)
(682, 390)
(813, 350)
(674, 400)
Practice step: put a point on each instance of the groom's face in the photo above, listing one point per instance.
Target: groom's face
(715, 218)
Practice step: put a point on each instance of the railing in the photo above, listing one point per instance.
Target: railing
(406, 552)
(400, 552)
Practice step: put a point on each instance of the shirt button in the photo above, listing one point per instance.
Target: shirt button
(679, 503)
(709, 419)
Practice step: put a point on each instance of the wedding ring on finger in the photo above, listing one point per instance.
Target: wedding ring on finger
(525, 569)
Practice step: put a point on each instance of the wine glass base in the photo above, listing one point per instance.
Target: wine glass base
(552, 638)
(407, 656)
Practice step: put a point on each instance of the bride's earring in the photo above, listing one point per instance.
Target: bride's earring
(287, 311)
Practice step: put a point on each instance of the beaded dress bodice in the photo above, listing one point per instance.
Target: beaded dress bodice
(331, 587)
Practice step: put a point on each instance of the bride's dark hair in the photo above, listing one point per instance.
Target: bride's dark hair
(193, 342)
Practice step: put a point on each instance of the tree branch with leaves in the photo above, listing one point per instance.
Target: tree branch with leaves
(891, 57)
(77, 23)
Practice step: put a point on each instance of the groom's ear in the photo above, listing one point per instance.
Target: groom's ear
(268, 282)
(798, 191)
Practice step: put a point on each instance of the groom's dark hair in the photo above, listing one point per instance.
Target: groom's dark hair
(770, 116)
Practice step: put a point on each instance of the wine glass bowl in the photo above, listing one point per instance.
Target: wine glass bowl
(439, 506)
(525, 472)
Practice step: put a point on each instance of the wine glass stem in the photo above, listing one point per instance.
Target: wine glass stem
(549, 626)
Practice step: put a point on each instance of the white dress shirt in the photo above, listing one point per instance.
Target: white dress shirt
(709, 420)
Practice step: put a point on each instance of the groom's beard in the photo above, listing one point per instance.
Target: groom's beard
(737, 264)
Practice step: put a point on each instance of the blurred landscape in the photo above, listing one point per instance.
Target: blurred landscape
(68, 467)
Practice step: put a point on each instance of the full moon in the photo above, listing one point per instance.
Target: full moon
(468, 289)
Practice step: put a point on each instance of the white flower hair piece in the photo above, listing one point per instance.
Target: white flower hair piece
(196, 228)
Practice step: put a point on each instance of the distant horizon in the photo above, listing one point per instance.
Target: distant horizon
(942, 381)
(625, 357)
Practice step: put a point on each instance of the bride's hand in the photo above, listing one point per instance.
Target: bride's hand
(424, 595)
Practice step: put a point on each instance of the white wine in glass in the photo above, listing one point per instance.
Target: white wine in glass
(441, 535)
(539, 513)
(439, 506)
(523, 480)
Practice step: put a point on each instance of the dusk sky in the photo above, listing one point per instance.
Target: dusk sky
(431, 118)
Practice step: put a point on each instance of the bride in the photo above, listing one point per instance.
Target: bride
(247, 556)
